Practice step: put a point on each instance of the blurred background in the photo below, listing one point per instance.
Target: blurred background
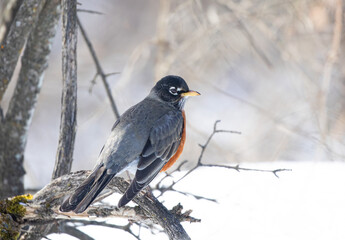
(269, 69)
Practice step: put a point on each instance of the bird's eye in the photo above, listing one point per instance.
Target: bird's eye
(173, 90)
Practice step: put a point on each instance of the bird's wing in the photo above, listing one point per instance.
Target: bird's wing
(162, 144)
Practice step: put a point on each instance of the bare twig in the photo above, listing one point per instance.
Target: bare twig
(64, 156)
(238, 168)
(197, 197)
(247, 33)
(126, 228)
(184, 216)
(199, 163)
(100, 71)
(90, 11)
(63, 227)
(93, 82)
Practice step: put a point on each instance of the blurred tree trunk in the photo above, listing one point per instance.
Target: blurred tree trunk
(15, 124)
(8, 9)
(12, 46)
(64, 156)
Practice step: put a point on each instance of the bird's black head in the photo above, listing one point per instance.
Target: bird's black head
(173, 89)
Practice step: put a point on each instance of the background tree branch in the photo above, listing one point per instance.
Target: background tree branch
(8, 9)
(100, 71)
(11, 47)
(64, 156)
(22, 105)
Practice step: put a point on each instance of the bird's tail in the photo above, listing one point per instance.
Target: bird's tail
(84, 195)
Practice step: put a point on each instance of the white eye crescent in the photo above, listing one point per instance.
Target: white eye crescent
(173, 91)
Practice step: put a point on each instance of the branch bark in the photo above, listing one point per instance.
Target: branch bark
(11, 47)
(44, 207)
(14, 128)
(64, 156)
(157, 211)
(8, 9)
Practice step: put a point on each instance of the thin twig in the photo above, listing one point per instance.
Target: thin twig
(93, 82)
(90, 11)
(100, 71)
(247, 33)
(126, 227)
(199, 163)
(70, 230)
(238, 168)
(197, 197)
(112, 73)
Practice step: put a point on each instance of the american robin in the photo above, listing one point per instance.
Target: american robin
(149, 137)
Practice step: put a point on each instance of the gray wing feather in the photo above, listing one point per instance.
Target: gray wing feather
(162, 144)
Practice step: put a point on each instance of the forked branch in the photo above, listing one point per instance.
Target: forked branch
(163, 189)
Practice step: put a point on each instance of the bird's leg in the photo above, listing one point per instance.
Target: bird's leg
(129, 176)
(148, 192)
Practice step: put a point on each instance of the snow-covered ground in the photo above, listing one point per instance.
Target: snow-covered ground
(306, 203)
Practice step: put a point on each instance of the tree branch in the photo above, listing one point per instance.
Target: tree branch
(199, 164)
(246, 32)
(100, 71)
(64, 156)
(44, 207)
(11, 47)
(90, 11)
(14, 129)
(126, 228)
(332, 58)
(169, 222)
(72, 231)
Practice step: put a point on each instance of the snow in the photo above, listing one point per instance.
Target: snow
(305, 203)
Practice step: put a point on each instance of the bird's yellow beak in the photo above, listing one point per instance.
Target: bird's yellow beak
(190, 93)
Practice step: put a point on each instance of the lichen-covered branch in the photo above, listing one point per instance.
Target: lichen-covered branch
(11, 47)
(43, 209)
(14, 128)
(64, 156)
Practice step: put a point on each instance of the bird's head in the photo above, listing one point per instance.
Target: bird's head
(173, 89)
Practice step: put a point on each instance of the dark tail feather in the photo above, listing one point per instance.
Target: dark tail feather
(142, 178)
(87, 191)
(134, 189)
(95, 191)
(130, 193)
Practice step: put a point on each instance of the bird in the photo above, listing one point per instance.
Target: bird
(147, 139)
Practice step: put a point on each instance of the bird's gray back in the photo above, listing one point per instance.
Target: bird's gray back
(129, 136)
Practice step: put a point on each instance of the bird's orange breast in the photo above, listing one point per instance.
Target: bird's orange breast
(174, 158)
